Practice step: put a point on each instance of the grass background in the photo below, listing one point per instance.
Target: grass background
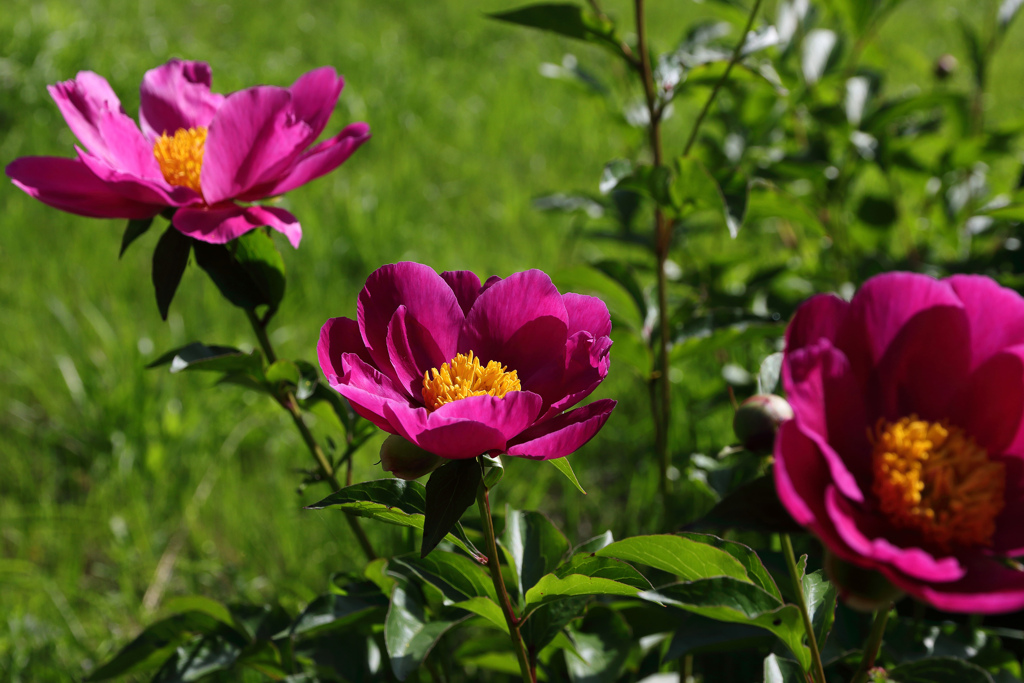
(102, 463)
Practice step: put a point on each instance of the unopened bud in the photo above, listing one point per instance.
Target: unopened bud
(864, 590)
(945, 66)
(758, 419)
(406, 460)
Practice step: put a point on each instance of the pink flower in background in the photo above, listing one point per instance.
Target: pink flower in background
(461, 369)
(204, 154)
(906, 453)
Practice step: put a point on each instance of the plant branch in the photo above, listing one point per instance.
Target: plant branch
(287, 400)
(491, 549)
(818, 670)
(736, 53)
(873, 644)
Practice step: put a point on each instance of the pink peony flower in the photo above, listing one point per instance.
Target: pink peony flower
(204, 154)
(906, 453)
(461, 369)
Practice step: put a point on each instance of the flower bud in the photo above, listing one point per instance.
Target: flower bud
(757, 420)
(864, 590)
(407, 460)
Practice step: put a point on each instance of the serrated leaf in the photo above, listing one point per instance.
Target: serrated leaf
(169, 260)
(135, 229)
(535, 544)
(686, 558)
(393, 501)
(451, 489)
(408, 635)
(563, 466)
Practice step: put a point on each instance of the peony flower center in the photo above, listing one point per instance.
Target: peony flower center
(932, 478)
(463, 376)
(181, 156)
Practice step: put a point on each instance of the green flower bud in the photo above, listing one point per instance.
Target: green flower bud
(407, 460)
(757, 420)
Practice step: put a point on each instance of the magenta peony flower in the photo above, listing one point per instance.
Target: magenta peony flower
(205, 154)
(462, 370)
(905, 452)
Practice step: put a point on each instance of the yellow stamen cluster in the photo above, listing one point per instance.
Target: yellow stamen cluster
(463, 376)
(181, 156)
(932, 478)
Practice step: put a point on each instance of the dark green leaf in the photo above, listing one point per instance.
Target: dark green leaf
(451, 489)
(202, 656)
(198, 356)
(135, 229)
(622, 274)
(747, 557)
(701, 634)
(394, 501)
(779, 670)
(603, 643)
(232, 278)
(308, 381)
(535, 544)
(820, 595)
(939, 670)
(259, 622)
(754, 506)
(169, 260)
(335, 610)
(567, 20)
(157, 643)
(879, 212)
(594, 544)
(563, 466)
(677, 555)
(457, 576)
(256, 253)
(408, 635)
(614, 172)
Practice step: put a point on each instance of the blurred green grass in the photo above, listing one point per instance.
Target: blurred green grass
(105, 463)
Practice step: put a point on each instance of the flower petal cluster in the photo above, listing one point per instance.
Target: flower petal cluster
(541, 352)
(906, 453)
(204, 154)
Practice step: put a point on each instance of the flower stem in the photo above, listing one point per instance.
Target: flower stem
(736, 53)
(817, 671)
(872, 645)
(287, 401)
(491, 549)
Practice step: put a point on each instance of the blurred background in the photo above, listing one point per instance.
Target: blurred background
(124, 489)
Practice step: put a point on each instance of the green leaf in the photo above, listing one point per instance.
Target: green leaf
(231, 277)
(571, 21)
(733, 600)
(563, 466)
(535, 545)
(551, 588)
(820, 595)
(588, 564)
(135, 229)
(779, 670)
(169, 260)
(159, 642)
(202, 656)
(747, 557)
(393, 501)
(547, 621)
(259, 622)
(623, 275)
(592, 545)
(408, 636)
(753, 506)
(336, 610)
(486, 608)
(939, 670)
(309, 379)
(451, 489)
(198, 356)
(768, 375)
(256, 253)
(701, 634)
(283, 371)
(1008, 10)
(603, 643)
(614, 172)
(684, 557)
(457, 576)
(694, 189)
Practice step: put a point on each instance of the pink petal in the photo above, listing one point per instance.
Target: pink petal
(412, 352)
(587, 314)
(1009, 537)
(339, 336)
(995, 315)
(510, 414)
(95, 116)
(148, 190)
(320, 160)
(587, 363)
(175, 96)
(865, 534)
(249, 140)
(521, 322)
(224, 223)
(427, 298)
(990, 404)
(801, 477)
(986, 588)
(369, 391)
(314, 96)
(68, 185)
(563, 434)
(829, 408)
(455, 440)
(819, 317)
(466, 286)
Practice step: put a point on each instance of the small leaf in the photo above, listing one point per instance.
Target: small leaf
(255, 251)
(551, 588)
(535, 544)
(603, 643)
(334, 610)
(393, 501)
(614, 172)
(563, 466)
(779, 670)
(677, 555)
(546, 622)
(694, 189)
(309, 379)
(135, 229)
(283, 371)
(820, 595)
(486, 608)
(199, 356)
(594, 544)
(768, 375)
(939, 670)
(451, 489)
(202, 656)
(458, 577)
(1007, 11)
(232, 279)
(571, 21)
(169, 260)
(588, 564)
(746, 556)
(408, 635)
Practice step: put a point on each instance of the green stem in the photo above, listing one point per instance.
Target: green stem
(288, 402)
(491, 549)
(725, 77)
(873, 645)
(818, 670)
